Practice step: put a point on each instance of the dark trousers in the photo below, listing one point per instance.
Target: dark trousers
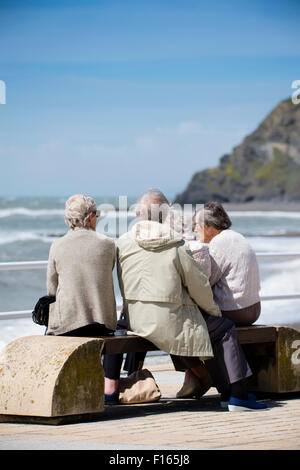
(229, 364)
(244, 316)
(112, 363)
(92, 329)
(226, 367)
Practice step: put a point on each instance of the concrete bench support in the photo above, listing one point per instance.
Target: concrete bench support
(275, 365)
(51, 376)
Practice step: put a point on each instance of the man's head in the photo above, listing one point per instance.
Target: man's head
(153, 205)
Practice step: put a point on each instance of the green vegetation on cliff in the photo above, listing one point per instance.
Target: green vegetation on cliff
(264, 167)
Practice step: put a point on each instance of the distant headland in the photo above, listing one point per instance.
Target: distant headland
(262, 172)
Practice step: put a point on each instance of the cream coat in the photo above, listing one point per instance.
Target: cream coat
(80, 275)
(162, 288)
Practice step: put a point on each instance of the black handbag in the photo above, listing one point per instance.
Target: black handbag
(40, 314)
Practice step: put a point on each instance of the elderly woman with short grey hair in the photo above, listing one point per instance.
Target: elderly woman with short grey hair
(79, 274)
(230, 264)
(234, 274)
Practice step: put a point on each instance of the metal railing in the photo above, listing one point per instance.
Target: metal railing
(22, 265)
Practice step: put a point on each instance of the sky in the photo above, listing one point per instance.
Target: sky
(115, 97)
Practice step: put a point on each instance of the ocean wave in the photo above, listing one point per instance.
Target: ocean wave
(30, 212)
(13, 237)
(117, 213)
(25, 211)
(260, 243)
(275, 244)
(24, 236)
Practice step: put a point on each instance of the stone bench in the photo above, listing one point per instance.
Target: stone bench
(50, 377)
(273, 353)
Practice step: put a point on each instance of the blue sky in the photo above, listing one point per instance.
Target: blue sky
(113, 97)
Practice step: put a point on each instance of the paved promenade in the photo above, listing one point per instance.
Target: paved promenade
(174, 424)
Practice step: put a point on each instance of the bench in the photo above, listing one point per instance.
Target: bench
(273, 353)
(131, 343)
(49, 378)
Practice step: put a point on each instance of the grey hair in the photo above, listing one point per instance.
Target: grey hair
(154, 194)
(153, 205)
(213, 214)
(78, 209)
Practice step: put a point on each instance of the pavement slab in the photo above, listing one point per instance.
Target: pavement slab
(169, 424)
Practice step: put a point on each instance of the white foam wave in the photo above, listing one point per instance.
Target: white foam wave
(14, 329)
(283, 278)
(13, 237)
(270, 244)
(30, 212)
(116, 214)
(24, 211)
(277, 312)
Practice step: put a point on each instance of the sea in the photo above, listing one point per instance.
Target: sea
(28, 227)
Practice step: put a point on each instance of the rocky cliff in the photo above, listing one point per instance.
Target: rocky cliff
(264, 167)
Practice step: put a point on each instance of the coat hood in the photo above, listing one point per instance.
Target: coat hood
(153, 235)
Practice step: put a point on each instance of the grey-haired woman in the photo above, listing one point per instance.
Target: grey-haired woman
(80, 275)
(234, 274)
(229, 262)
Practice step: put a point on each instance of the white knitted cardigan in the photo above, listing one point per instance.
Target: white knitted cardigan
(231, 266)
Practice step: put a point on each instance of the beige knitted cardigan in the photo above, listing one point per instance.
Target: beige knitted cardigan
(80, 275)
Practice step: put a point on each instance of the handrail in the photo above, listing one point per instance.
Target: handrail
(15, 315)
(275, 254)
(21, 265)
(18, 265)
(27, 314)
